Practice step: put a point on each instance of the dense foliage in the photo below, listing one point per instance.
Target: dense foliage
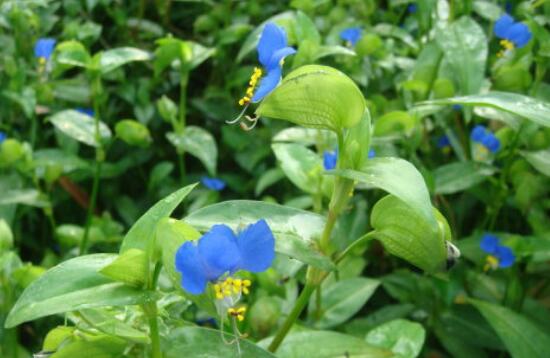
(312, 178)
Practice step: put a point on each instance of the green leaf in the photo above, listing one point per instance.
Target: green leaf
(397, 177)
(465, 47)
(521, 336)
(80, 127)
(72, 53)
(316, 97)
(268, 178)
(50, 157)
(304, 136)
(114, 58)
(199, 143)
(341, 300)
(106, 321)
(402, 337)
(133, 133)
(459, 176)
(130, 267)
(140, 234)
(405, 233)
(72, 285)
(523, 106)
(95, 346)
(304, 29)
(396, 122)
(295, 230)
(207, 343)
(385, 314)
(56, 336)
(302, 166)
(31, 197)
(326, 344)
(540, 160)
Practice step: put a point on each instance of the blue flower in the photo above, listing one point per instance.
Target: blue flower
(443, 142)
(88, 111)
(220, 252)
(213, 183)
(512, 34)
(372, 153)
(412, 8)
(486, 138)
(457, 107)
(329, 159)
(272, 50)
(351, 35)
(500, 256)
(3, 137)
(43, 48)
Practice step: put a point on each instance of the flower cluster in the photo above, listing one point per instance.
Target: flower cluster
(512, 34)
(213, 183)
(486, 139)
(500, 256)
(351, 35)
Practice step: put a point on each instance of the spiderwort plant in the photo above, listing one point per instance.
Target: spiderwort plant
(272, 50)
(351, 35)
(512, 34)
(499, 256)
(485, 142)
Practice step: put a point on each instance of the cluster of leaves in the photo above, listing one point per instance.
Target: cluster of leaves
(87, 245)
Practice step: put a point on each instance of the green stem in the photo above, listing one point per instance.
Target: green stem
(182, 113)
(91, 208)
(151, 311)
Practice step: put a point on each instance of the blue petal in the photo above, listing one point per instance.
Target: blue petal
(3, 137)
(505, 256)
(478, 133)
(189, 263)
(267, 84)
(351, 34)
(273, 38)
(411, 8)
(257, 247)
(519, 34)
(502, 25)
(489, 243)
(219, 251)
(329, 159)
(44, 47)
(372, 153)
(457, 107)
(443, 141)
(278, 56)
(491, 142)
(213, 183)
(88, 111)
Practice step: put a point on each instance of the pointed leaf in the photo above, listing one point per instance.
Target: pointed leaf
(402, 337)
(130, 268)
(199, 143)
(114, 58)
(301, 165)
(80, 127)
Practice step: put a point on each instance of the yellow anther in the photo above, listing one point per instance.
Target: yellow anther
(247, 283)
(509, 45)
(238, 313)
(492, 263)
(42, 60)
(256, 75)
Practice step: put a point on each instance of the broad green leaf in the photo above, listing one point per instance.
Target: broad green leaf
(397, 177)
(405, 233)
(465, 47)
(459, 176)
(341, 300)
(397, 122)
(402, 337)
(95, 346)
(540, 160)
(80, 127)
(326, 344)
(207, 343)
(140, 234)
(133, 133)
(315, 97)
(302, 166)
(130, 267)
(72, 53)
(72, 285)
(523, 106)
(304, 136)
(359, 326)
(521, 336)
(295, 230)
(106, 321)
(199, 143)
(114, 58)
(31, 197)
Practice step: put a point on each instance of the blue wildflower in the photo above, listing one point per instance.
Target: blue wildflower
(3, 137)
(500, 256)
(219, 252)
(43, 48)
(88, 111)
(457, 107)
(486, 138)
(272, 50)
(329, 159)
(443, 142)
(372, 153)
(412, 8)
(512, 34)
(351, 35)
(213, 183)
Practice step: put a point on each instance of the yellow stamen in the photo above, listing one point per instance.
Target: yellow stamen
(256, 75)
(492, 263)
(237, 312)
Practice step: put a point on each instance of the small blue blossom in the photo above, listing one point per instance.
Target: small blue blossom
(512, 34)
(351, 35)
(329, 159)
(213, 183)
(88, 111)
(486, 138)
(3, 137)
(43, 48)
(372, 153)
(457, 107)
(412, 8)
(443, 141)
(500, 256)
(219, 252)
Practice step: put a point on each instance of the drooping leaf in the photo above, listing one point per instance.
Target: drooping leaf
(73, 285)
(80, 127)
(402, 337)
